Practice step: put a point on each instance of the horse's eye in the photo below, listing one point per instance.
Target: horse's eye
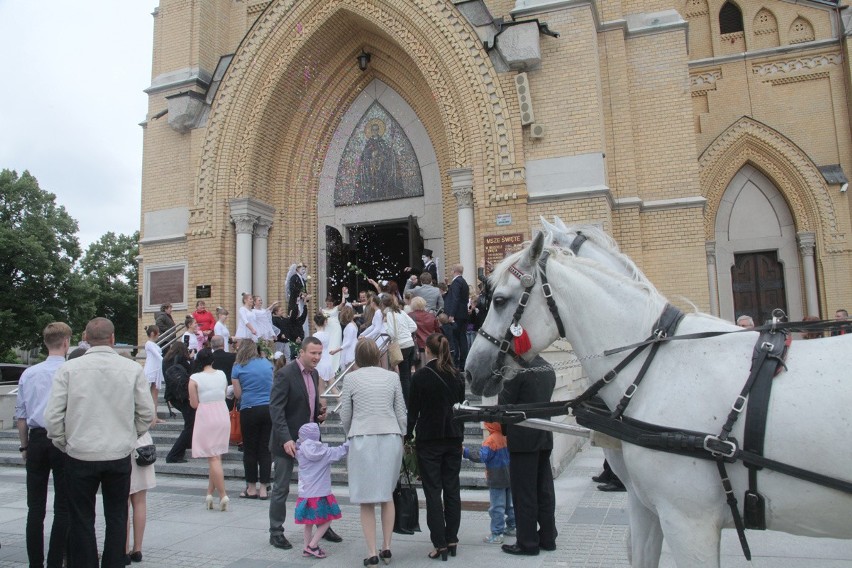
(498, 301)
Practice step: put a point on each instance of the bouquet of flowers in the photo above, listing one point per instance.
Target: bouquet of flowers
(354, 268)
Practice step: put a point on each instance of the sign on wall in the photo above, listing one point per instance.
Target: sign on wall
(497, 247)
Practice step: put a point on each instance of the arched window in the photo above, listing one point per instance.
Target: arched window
(730, 19)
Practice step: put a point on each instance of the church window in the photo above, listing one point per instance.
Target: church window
(730, 19)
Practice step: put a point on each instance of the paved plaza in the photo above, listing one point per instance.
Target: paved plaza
(592, 526)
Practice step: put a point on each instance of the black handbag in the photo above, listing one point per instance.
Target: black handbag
(146, 455)
(407, 507)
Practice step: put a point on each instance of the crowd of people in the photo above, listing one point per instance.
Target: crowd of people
(207, 371)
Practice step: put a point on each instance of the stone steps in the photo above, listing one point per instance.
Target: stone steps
(164, 435)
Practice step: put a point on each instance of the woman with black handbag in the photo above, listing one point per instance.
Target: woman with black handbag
(434, 390)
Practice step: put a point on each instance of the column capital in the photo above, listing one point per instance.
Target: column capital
(261, 229)
(807, 242)
(244, 223)
(462, 187)
(710, 252)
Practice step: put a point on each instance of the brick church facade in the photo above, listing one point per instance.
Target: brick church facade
(710, 138)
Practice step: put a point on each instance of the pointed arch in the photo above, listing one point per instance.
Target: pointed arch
(801, 30)
(270, 64)
(748, 141)
(765, 29)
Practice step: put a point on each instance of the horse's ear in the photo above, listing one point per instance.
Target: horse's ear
(535, 249)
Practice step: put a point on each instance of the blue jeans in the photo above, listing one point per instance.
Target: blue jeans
(501, 510)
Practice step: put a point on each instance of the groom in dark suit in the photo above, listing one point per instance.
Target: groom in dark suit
(293, 402)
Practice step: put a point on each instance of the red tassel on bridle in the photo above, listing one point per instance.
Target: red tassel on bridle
(522, 343)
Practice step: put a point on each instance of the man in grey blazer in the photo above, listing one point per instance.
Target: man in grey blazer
(293, 402)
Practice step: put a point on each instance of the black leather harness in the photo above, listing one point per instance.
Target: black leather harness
(589, 410)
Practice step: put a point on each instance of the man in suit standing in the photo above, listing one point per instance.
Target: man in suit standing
(530, 475)
(455, 306)
(293, 402)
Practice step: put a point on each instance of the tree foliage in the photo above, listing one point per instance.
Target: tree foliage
(109, 268)
(41, 279)
(38, 250)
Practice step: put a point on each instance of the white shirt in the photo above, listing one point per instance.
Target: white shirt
(221, 329)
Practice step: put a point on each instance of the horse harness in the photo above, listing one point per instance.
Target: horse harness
(589, 410)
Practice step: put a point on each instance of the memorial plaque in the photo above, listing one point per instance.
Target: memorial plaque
(202, 291)
(166, 286)
(497, 247)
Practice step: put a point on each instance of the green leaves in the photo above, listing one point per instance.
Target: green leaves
(40, 278)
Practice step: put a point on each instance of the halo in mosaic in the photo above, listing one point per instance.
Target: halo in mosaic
(378, 163)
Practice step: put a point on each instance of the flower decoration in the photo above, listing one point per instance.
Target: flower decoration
(354, 268)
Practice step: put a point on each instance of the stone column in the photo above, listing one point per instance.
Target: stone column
(462, 185)
(710, 251)
(807, 242)
(259, 260)
(244, 225)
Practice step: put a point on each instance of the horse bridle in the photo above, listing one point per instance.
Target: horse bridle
(528, 281)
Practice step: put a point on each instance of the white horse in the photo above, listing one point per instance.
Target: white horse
(606, 303)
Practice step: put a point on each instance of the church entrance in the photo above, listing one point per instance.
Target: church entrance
(380, 251)
(758, 284)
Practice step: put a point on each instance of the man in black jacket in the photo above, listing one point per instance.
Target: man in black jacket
(455, 306)
(529, 464)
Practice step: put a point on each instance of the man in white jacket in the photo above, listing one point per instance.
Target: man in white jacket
(99, 405)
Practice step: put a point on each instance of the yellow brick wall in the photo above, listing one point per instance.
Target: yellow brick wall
(595, 91)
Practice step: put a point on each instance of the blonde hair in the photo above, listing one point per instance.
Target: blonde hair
(417, 303)
(367, 353)
(55, 333)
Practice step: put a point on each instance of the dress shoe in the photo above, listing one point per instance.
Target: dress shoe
(547, 547)
(515, 549)
(332, 536)
(602, 477)
(612, 486)
(280, 541)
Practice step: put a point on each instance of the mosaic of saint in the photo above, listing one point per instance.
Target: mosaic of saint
(378, 163)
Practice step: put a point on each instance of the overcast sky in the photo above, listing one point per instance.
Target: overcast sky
(71, 102)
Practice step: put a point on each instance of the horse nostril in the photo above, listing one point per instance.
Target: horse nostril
(468, 378)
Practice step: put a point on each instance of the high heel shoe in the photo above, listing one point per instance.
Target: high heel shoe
(451, 548)
(209, 502)
(371, 561)
(223, 503)
(385, 555)
(438, 553)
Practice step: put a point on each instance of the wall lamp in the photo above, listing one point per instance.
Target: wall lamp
(363, 60)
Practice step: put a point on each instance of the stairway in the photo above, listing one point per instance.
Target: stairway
(472, 474)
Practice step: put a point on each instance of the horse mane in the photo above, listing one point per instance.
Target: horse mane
(556, 241)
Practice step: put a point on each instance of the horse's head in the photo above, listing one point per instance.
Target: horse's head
(516, 281)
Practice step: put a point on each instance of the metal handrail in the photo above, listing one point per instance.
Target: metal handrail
(383, 351)
(169, 336)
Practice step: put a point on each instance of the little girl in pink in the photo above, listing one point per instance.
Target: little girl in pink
(316, 505)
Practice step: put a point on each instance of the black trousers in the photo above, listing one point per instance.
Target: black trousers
(256, 425)
(42, 459)
(84, 478)
(405, 371)
(184, 439)
(440, 464)
(460, 340)
(534, 499)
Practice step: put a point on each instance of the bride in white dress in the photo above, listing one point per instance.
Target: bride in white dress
(332, 326)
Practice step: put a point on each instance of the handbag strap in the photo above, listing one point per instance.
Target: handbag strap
(434, 372)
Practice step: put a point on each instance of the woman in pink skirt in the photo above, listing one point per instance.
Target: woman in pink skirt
(212, 423)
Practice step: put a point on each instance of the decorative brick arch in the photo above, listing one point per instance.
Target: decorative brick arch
(748, 141)
(444, 48)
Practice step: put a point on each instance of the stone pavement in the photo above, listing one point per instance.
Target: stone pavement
(592, 525)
